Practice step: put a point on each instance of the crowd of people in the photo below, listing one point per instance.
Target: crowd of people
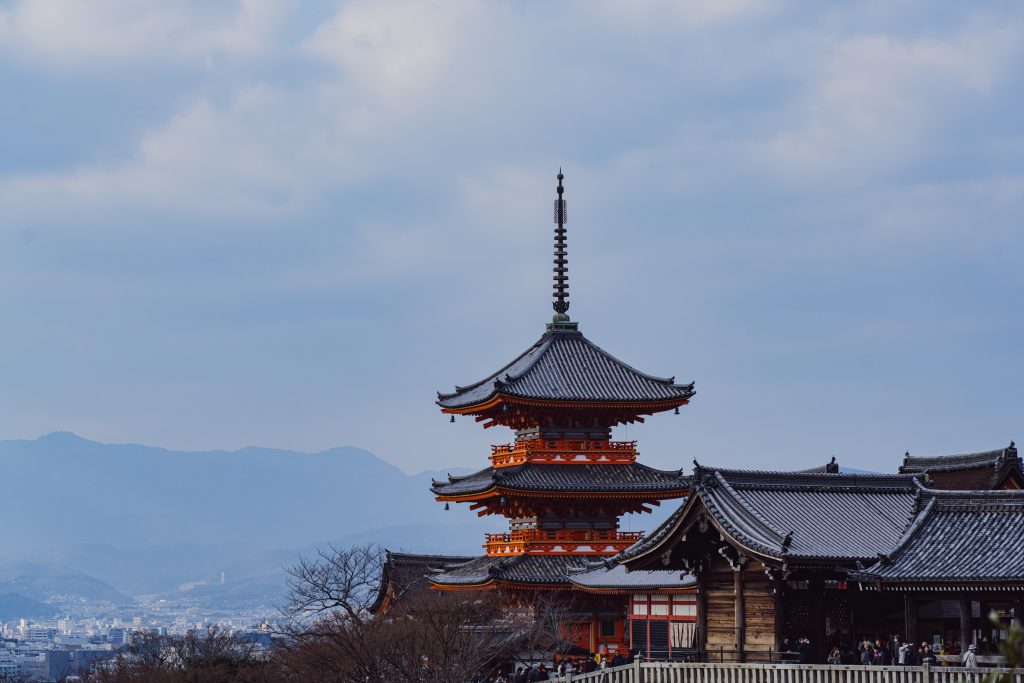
(561, 667)
(893, 651)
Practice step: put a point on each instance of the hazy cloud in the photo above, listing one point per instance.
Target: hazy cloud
(264, 222)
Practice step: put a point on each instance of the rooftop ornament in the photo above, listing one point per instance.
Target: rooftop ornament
(561, 269)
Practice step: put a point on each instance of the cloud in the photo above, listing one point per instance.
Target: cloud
(668, 14)
(394, 48)
(878, 102)
(73, 33)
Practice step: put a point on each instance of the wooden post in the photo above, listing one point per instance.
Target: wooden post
(817, 626)
(910, 619)
(740, 609)
(965, 623)
(702, 611)
(779, 610)
(986, 625)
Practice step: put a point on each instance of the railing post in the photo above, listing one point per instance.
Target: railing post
(926, 672)
(637, 671)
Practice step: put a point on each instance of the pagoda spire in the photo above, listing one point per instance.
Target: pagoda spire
(561, 269)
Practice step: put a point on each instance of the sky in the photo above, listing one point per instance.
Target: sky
(289, 224)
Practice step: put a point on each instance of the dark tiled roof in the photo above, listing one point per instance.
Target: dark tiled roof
(917, 463)
(617, 578)
(403, 572)
(653, 538)
(811, 516)
(607, 478)
(840, 516)
(988, 469)
(959, 537)
(523, 569)
(566, 366)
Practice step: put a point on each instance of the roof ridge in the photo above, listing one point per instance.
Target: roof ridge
(542, 347)
(955, 461)
(751, 513)
(664, 380)
(914, 526)
(460, 389)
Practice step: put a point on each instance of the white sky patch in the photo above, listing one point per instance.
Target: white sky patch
(665, 14)
(79, 33)
(878, 101)
(397, 47)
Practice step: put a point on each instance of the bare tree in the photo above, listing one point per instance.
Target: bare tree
(336, 580)
(426, 637)
(213, 656)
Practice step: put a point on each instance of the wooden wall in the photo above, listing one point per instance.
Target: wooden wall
(721, 607)
(759, 612)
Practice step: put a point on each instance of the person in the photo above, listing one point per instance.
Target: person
(835, 656)
(879, 657)
(903, 652)
(520, 675)
(589, 665)
(984, 647)
(926, 655)
(618, 659)
(804, 651)
(866, 652)
(971, 656)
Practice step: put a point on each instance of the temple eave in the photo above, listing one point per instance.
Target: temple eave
(499, 400)
(641, 497)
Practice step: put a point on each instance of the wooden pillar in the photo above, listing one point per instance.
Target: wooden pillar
(910, 619)
(779, 610)
(1018, 611)
(702, 611)
(740, 610)
(986, 625)
(965, 623)
(817, 625)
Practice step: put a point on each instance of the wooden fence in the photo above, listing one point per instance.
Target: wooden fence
(669, 672)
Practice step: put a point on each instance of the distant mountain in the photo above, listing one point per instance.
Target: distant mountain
(73, 491)
(15, 606)
(52, 582)
(113, 521)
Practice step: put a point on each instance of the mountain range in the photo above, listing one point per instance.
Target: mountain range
(107, 522)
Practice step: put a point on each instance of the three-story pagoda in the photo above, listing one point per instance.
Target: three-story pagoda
(563, 483)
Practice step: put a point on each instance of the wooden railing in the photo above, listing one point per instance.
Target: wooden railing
(659, 672)
(560, 541)
(563, 452)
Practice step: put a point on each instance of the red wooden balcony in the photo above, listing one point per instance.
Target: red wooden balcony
(563, 452)
(560, 542)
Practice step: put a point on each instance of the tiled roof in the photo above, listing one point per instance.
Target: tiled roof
(606, 478)
(985, 470)
(958, 537)
(811, 516)
(917, 463)
(405, 571)
(617, 578)
(524, 569)
(563, 365)
(653, 538)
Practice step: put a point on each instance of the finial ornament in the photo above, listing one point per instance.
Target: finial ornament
(561, 269)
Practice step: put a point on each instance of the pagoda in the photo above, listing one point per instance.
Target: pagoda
(563, 483)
